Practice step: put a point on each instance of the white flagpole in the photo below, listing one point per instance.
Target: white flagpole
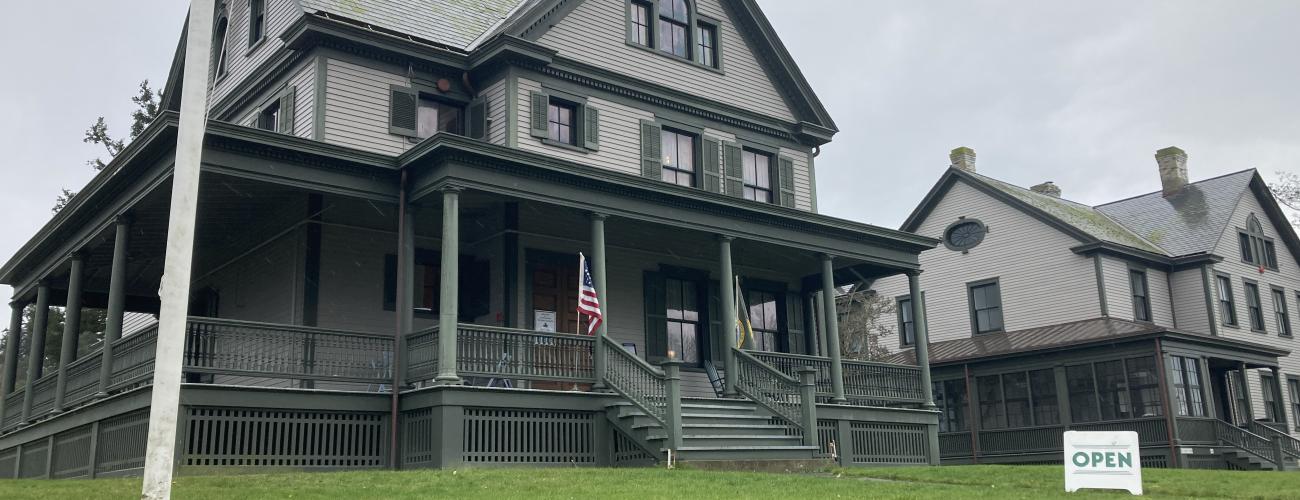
(582, 274)
(175, 290)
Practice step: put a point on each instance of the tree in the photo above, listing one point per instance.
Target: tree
(1287, 192)
(92, 333)
(147, 103)
(865, 319)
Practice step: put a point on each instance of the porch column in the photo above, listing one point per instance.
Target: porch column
(449, 291)
(1280, 404)
(598, 276)
(116, 304)
(36, 349)
(71, 329)
(405, 294)
(832, 322)
(1244, 381)
(922, 337)
(727, 292)
(10, 373)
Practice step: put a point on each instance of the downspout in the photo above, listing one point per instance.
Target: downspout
(399, 299)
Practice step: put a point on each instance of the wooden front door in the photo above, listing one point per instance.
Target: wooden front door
(555, 289)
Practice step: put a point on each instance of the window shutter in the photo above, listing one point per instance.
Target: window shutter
(735, 171)
(785, 177)
(478, 119)
(287, 112)
(712, 168)
(652, 162)
(538, 118)
(591, 128)
(403, 111)
(717, 337)
(656, 316)
(798, 343)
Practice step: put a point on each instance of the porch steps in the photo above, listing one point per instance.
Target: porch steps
(1245, 461)
(719, 432)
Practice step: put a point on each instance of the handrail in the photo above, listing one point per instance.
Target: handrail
(1290, 445)
(508, 353)
(1247, 441)
(280, 326)
(633, 378)
(246, 348)
(770, 388)
(863, 380)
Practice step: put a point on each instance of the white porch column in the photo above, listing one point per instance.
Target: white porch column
(448, 302)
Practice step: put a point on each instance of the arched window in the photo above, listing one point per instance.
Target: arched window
(1256, 248)
(674, 27)
(219, 45)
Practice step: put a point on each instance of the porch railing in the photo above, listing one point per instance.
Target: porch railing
(422, 355)
(768, 387)
(43, 395)
(644, 385)
(1248, 442)
(504, 353)
(133, 359)
(1290, 446)
(864, 381)
(249, 349)
(13, 409)
(83, 379)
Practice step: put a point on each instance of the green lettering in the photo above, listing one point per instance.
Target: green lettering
(1080, 459)
(1097, 458)
(1126, 460)
(1110, 459)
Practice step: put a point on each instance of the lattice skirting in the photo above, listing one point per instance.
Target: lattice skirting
(112, 446)
(240, 437)
(513, 436)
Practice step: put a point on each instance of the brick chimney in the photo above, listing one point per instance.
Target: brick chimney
(963, 158)
(1173, 169)
(1047, 188)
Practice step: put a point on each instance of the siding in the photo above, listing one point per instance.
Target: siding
(1189, 301)
(1119, 296)
(240, 63)
(595, 33)
(495, 95)
(356, 108)
(802, 183)
(1042, 281)
(620, 135)
(303, 81)
(265, 285)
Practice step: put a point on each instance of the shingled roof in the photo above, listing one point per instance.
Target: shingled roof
(1187, 222)
(453, 23)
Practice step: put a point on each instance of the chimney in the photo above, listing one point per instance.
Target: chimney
(1173, 169)
(1047, 188)
(963, 158)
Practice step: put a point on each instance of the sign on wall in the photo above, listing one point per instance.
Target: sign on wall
(544, 321)
(1103, 460)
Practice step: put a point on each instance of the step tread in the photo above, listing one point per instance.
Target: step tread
(724, 436)
(747, 448)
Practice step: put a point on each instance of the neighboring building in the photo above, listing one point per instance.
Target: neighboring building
(1140, 314)
(378, 173)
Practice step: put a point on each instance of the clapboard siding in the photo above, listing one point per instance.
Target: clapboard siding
(304, 106)
(1119, 295)
(1042, 281)
(356, 107)
(1189, 301)
(495, 95)
(265, 285)
(620, 136)
(240, 62)
(595, 33)
(802, 184)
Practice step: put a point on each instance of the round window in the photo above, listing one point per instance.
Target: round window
(964, 234)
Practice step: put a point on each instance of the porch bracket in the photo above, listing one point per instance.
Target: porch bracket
(832, 321)
(116, 303)
(449, 289)
(37, 345)
(71, 328)
(727, 290)
(598, 276)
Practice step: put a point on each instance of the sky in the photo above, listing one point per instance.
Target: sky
(1078, 93)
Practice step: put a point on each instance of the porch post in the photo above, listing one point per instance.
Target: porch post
(449, 291)
(922, 337)
(116, 304)
(12, 338)
(727, 290)
(598, 276)
(405, 295)
(36, 349)
(1277, 397)
(1244, 382)
(71, 330)
(832, 322)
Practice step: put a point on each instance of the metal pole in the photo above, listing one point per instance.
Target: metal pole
(449, 299)
(116, 304)
(71, 330)
(598, 275)
(727, 290)
(832, 322)
(175, 290)
(36, 348)
(405, 314)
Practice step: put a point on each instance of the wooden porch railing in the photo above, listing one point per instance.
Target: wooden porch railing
(83, 379)
(643, 385)
(1289, 446)
(791, 399)
(422, 355)
(864, 382)
(505, 353)
(263, 350)
(43, 395)
(13, 409)
(1249, 442)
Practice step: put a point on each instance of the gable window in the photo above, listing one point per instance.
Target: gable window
(1256, 248)
(757, 176)
(1227, 304)
(1272, 407)
(219, 44)
(269, 118)
(674, 36)
(1186, 373)
(964, 234)
(437, 116)
(950, 399)
(706, 45)
(1137, 280)
(559, 122)
(684, 326)
(1280, 314)
(906, 324)
(764, 321)
(1253, 307)
(679, 157)
(985, 306)
(638, 16)
(256, 21)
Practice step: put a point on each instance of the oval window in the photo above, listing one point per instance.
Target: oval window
(964, 234)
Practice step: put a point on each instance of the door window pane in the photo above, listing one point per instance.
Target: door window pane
(1015, 391)
(1144, 387)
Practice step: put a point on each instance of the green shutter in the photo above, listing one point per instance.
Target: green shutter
(287, 112)
(537, 119)
(712, 167)
(785, 178)
(591, 128)
(655, 295)
(477, 126)
(717, 342)
(735, 172)
(797, 343)
(403, 111)
(652, 162)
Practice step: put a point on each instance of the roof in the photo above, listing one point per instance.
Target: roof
(454, 23)
(1053, 337)
(1188, 222)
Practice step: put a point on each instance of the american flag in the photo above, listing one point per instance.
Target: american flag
(588, 301)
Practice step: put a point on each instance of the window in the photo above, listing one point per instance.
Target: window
(1227, 305)
(1042, 384)
(992, 413)
(1280, 313)
(1239, 396)
(950, 398)
(706, 45)
(1018, 399)
(256, 21)
(1015, 388)
(1270, 255)
(763, 319)
(1137, 281)
(906, 325)
(638, 16)
(1272, 407)
(1186, 374)
(560, 123)
(269, 118)
(437, 116)
(219, 42)
(1293, 390)
(674, 17)
(1144, 387)
(1247, 250)
(679, 157)
(985, 307)
(1083, 393)
(1256, 248)
(964, 234)
(1253, 307)
(757, 175)
(1112, 390)
(683, 319)
(1115, 390)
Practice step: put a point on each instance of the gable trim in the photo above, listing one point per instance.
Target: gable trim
(953, 175)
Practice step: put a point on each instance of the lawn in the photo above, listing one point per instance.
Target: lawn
(949, 483)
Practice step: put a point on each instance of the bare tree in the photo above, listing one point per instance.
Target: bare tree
(865, 319)
(1287, 192)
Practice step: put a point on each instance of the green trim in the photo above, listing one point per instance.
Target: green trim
(970, 305)
(1101, 285)
(318, 102)
(902, 330)
(1245, 284)
(1206, 273)
(1283, 330)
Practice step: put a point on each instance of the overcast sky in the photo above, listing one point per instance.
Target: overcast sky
(1080, 93)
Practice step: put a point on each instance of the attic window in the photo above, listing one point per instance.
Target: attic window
(674, 28)
(1255, 248)
(256, 21)
(964, 234)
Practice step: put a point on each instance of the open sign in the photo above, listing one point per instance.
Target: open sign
(1104, 460)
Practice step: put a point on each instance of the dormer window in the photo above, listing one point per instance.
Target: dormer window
(671, 27)
(674, 27)
(1256, 248)
(256, 21)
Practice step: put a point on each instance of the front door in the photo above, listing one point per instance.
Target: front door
(555, 296)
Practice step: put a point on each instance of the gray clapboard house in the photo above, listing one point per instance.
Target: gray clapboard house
(393, 197)
(1170, 314)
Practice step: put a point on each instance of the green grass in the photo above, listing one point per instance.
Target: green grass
(948, 483)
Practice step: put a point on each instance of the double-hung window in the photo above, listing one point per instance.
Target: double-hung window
(1137, 280)
(1255, 247)
(706, 45)
(1186, 374)
(1227, 304)
(757, 175)
(256, 21)
(1272, 407)
(763, 320)
(985, 306)
(1253, 307)
(560, 125)
(684, 326)
(1293, 390)
(906, 323)
(674, 34)
(679, 157)
(1280, 314)
(638, 18)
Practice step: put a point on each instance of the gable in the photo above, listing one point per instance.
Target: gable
(595, 33)
(1274, 225)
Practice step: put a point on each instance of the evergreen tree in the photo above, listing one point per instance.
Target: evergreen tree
(148, 105)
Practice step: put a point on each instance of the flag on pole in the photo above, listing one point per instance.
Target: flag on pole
(744, 330)
(588, 301)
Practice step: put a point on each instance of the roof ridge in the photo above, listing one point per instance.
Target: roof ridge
(1217, 177)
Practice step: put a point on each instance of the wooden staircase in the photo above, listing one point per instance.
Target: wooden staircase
(715, 430)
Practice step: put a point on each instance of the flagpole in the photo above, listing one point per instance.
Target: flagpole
(582, 268)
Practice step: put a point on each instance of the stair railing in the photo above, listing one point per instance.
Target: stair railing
(1289, 446)
(792, 400)
(656, 392)
(1259, 446)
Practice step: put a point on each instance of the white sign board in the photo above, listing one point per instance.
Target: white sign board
(544, 321)
(1104, 460)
